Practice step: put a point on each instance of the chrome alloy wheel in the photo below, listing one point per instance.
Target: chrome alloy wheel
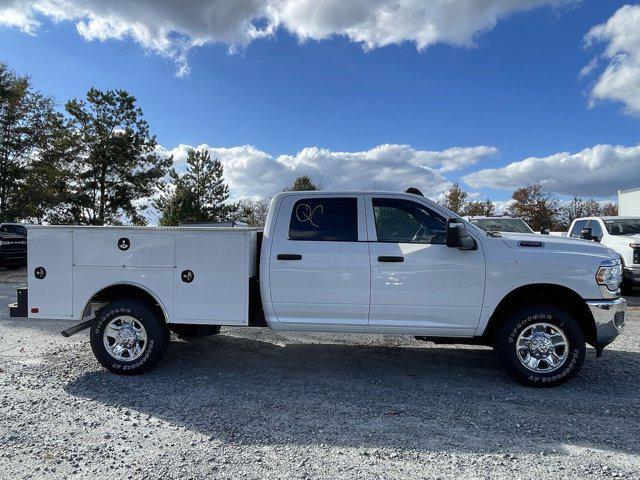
(542, 347)
(125, 338)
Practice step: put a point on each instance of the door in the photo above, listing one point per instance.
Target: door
(319, 262)
(417, 282)
(50, 275)
(210, 279)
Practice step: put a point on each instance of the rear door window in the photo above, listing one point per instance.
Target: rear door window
(324, 220)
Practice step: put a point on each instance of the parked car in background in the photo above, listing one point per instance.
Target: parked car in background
(14, 228)
(13, 245)
(334, 262)
(501, 224)
(621, 234)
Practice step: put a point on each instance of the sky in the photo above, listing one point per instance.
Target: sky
(365, 94)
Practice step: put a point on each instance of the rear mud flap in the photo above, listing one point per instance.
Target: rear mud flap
(20, 308)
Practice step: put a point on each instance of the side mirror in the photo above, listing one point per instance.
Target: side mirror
(585, 234)
(458, 237)
(545, 231)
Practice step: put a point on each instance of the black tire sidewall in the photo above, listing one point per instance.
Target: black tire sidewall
(157, 337)
(518, 321)
(627, 287)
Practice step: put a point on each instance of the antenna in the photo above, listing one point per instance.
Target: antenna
(414, 191)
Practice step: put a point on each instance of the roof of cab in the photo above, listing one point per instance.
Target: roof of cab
(608, 218)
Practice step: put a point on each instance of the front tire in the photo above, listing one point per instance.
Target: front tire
(540, 346)
(626, 288)
(127, 338)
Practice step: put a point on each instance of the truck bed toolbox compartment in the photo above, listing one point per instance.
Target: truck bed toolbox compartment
(211, 284)
(197, 275)
(49, 272)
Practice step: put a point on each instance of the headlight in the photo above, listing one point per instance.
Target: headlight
(610, 274)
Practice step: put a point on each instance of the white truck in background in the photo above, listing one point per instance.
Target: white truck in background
(621, 234)
(361, 262)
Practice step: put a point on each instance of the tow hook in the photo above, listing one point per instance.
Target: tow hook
(77, 328)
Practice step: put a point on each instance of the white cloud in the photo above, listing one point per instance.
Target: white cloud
(17, 14)
(501, 206)
(620, 80)
(173, 27)
(252, 172)
(599, 171)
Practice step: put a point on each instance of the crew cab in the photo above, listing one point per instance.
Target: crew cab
(621, 234)
(360, 262)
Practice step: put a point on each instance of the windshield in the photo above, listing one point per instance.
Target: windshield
(515, 225)
(629, 226)
(15, 229)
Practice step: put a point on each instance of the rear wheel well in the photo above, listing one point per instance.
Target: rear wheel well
(556, 295)
(129, 292)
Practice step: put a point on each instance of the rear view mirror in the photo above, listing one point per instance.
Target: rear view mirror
(585, 234)
(545, 231)
(458, 237)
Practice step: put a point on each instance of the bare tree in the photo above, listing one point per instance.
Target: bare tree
(609, 209)
(254, 211)
(578, 208)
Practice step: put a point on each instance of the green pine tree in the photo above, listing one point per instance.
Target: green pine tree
(198, 195)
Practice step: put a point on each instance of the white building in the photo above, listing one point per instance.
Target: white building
(629, 202)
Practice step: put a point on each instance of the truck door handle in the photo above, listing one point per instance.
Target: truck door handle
(289, 256)
(384, 258)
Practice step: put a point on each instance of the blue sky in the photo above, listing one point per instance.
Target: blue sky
(516, 90)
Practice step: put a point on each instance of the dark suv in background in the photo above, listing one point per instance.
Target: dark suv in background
(13, 245)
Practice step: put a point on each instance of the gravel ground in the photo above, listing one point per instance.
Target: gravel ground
(250, 403)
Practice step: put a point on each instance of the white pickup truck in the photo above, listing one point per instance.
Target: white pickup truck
(621, 234)
(361, 262)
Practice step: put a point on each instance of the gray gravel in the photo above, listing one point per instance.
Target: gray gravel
(250, 403)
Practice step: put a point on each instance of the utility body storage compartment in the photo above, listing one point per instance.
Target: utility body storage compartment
(198, 275)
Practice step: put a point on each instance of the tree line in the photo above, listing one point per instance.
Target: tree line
(95, 162)
(539, 208)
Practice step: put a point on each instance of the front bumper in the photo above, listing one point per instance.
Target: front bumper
(609, 316)
(632, 274)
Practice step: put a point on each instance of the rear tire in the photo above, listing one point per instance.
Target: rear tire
(540, 346)
(127, 338)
